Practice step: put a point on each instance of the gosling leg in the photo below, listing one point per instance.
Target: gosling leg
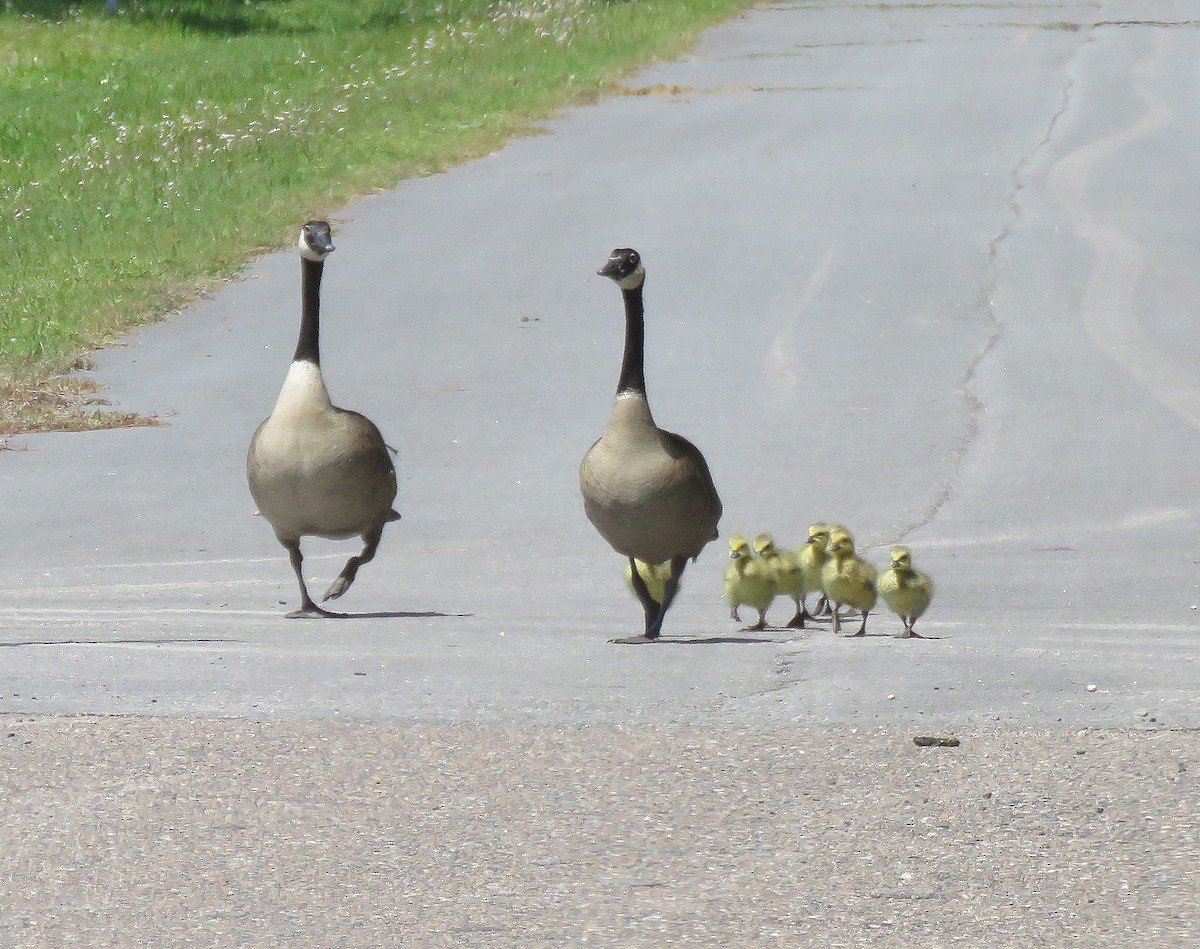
(862, 630)
(909, 632)
(802, 614)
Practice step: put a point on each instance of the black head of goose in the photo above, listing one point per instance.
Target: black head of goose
(315, 469)
(646, 490)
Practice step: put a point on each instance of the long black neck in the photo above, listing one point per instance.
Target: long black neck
(633, 375)
(308, 347)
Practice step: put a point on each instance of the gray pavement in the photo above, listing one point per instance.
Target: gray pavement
(922, 268)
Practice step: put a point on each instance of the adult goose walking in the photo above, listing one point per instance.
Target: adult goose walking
(316, 469)
(647, 491)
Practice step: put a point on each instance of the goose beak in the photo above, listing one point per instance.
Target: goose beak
(611, 269)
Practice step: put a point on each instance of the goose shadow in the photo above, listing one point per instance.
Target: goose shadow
(118, 642)
(388, 614)
(715, 640)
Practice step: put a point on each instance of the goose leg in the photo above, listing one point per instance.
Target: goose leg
(761, 624)
(655, 628)
(837, 619)
(672, 587)
(308, 608)
(346, 577)
(802, 614)
(649, 604)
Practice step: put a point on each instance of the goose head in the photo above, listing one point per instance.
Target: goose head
(316, 241)
(624, 268)
(901, 559)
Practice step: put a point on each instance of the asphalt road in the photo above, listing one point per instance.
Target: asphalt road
(926, 269)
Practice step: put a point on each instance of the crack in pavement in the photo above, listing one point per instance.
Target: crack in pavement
(983, 306)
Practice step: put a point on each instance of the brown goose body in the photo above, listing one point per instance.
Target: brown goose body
(318, 470)
(315, 469)
(646, 490)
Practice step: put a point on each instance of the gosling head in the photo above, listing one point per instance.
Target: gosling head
(901, 558)
(624, 268)
(764, 545)
(841, 543)
(316, 241)
(738, 547)
(818, 534)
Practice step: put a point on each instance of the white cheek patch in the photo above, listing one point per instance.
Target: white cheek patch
(634, 280)
(308, 252)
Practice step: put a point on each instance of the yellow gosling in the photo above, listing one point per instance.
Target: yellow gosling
(812, 556)
(848, 580)
(906, 591)
(785, 568)
(748, 582)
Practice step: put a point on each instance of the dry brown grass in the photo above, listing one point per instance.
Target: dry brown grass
(65, 403)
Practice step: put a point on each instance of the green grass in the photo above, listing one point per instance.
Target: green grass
(145, 156)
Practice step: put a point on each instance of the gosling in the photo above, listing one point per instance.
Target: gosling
(789, 578)
(748, 582)
(848, 580)
(906, 590)
(811, 556)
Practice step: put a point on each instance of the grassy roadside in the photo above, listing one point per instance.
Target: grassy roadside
(145, 156)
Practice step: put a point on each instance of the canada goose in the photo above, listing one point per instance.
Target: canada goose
(906, 590)
(749, 581)
(785, 568)
(647, 491)
(313, 468)
(848, 580)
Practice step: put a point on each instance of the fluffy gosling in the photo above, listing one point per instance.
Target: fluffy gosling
(848, 580)
(748, 582)
(812, 556)
(906, 590)
(789, 579)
